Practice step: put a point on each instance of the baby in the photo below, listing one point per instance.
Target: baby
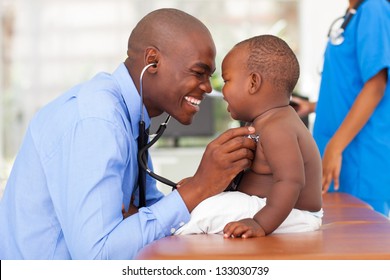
(281, 191)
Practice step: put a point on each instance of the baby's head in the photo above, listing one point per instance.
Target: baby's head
(260, 69)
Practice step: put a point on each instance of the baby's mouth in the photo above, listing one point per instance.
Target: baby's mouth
(192, 100)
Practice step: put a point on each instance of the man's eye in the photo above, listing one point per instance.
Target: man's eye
(199, 74)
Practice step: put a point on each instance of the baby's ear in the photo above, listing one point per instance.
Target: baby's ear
(254, 82)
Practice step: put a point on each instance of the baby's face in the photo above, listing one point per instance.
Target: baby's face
(236, 78)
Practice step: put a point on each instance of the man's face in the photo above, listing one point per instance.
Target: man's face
(184, 77)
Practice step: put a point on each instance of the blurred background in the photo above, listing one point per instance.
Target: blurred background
(47, 46)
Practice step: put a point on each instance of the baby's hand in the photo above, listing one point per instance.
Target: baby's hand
(245, 228)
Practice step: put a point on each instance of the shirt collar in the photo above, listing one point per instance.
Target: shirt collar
(132, 99)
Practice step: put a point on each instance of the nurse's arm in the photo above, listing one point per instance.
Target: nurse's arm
(362, 109)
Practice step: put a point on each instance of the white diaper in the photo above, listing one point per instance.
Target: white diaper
(211, 215)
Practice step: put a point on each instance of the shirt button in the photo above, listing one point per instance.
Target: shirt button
(173, 230)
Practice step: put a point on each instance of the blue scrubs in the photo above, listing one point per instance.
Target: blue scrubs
(347, 67)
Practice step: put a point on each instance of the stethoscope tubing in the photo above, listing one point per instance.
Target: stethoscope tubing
(142, 155)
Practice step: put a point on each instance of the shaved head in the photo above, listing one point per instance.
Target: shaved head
(161, 29)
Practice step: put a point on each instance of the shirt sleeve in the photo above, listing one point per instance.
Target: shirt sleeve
(151, 223)
(373, 38)
(88, 203)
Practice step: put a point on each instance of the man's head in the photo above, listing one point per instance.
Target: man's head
(262, 69)
(183, 50)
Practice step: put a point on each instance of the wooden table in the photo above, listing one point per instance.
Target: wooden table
(350, 230)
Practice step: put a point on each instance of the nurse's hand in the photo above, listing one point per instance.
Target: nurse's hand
(331, 166)
(222, 160)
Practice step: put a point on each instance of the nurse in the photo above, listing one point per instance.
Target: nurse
(352, 124)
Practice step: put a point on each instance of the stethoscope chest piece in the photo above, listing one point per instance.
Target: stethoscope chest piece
(336, 35)
(338, 26)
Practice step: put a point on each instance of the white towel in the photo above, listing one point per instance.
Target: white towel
(211, 215)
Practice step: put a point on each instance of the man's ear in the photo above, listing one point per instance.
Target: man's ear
(152, 55)
(255, 81)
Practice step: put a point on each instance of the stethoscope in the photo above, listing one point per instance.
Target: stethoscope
(336, 36)
(144, 145)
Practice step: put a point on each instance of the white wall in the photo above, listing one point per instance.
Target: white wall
(315, 19)
(59, 43)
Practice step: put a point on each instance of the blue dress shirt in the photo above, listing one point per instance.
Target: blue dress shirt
(76, 167)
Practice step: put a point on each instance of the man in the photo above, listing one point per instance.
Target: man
(78, 163)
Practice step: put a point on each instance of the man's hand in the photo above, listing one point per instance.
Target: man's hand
(222, 160)
(132, 209)
(225, 157)
(245, 228)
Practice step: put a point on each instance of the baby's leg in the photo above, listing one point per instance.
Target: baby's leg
(211, 215)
